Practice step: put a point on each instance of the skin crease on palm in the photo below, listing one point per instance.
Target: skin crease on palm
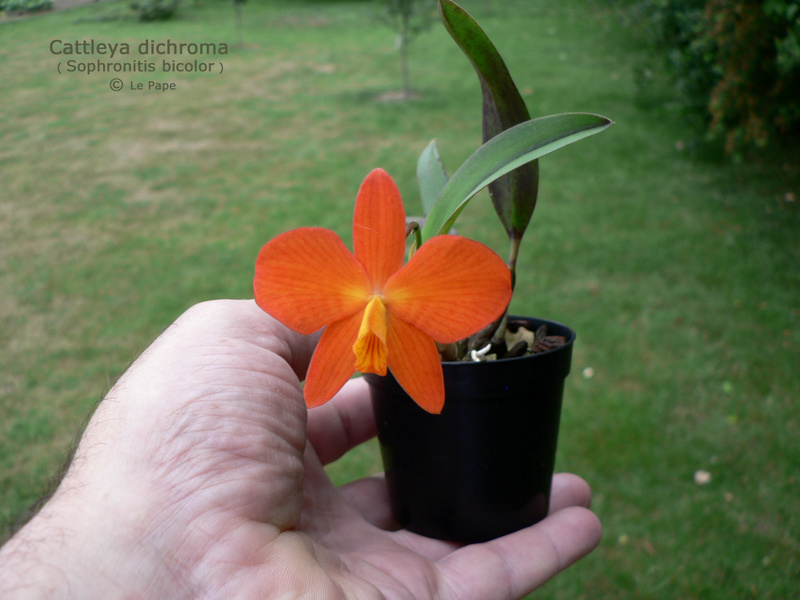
(194, 479)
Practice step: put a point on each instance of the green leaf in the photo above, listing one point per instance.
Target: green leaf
(431, 176)
(513, 195)
(506, 106)
(521, 144)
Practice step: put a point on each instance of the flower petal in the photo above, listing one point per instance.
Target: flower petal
(451, 288)
(414, 361)
(333, 362)
(379, 228)
(307, 278)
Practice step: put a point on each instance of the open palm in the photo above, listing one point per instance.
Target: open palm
(200, 476)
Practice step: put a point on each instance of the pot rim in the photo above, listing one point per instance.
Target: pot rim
(570, 339)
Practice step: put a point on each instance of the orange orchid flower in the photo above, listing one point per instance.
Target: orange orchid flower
(377, 312)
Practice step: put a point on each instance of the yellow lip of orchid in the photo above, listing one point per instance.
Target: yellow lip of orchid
(377, 312)
(370, 348)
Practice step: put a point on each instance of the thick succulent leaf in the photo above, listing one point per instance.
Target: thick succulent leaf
(505, 152)
(513, 195)
(431, 176)
(506, 106)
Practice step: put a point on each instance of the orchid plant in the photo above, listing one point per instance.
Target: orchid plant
(449, 301)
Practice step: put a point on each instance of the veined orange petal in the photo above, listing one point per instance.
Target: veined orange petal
(379, 228)
(307, 278)
(370, 347)
(451, 288)
(415, 363)
(333, 362)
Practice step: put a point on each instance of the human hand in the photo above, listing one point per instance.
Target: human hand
(193, 479)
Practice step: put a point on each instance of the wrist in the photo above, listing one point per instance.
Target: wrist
(67, 552)
(40, 560)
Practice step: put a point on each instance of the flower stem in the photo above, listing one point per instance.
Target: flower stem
(413, 227)
(513, 254)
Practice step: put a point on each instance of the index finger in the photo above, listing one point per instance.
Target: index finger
(343, 423)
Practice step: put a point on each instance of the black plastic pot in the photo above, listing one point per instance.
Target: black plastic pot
(484, 466)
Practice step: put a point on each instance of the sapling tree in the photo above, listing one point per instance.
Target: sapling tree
(408, 18)
(238, 5)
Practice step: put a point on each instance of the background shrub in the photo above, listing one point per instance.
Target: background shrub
(155, 10)
(735, 65)
(24, 6)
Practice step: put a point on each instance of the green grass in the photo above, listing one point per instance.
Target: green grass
(680, 273)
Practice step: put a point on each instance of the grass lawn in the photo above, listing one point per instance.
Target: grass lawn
(681, 274)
